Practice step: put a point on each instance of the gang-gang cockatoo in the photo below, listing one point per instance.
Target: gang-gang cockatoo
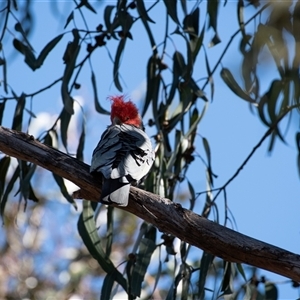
(124, 154)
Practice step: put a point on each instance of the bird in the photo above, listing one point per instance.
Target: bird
(124, 154)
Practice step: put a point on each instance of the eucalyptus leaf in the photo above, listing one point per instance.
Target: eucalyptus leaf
(142, 11)
(60, 182)
(79, 152)
(2, 108)
(65, 118)
(271, 291)
(18, 114)
(8, 189)
(47, 49)
(97, 104)
(172, 10)
(234, 86)
(107, 15)
(88, 232)
(116, 67)
(151, 72)
(206, 261)
(4, 165)
(69, 19)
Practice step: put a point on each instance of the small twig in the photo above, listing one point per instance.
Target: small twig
(231, 40)
(147, 10)
(222, 188)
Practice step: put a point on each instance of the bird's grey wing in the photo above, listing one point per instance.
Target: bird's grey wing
(139, 158)
(106, 151)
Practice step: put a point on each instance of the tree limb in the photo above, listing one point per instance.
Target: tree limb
(167, 216)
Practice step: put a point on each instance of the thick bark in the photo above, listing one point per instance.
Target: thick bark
(167, 216)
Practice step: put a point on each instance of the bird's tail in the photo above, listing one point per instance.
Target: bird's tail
(114, 191)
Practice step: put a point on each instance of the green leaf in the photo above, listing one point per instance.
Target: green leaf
(273, 94)
(87, 5)
(65, 118)
(69, 19)
(142, 11)
(18, 28)
(191, 24)
(241, 271)
(150, 36)
(226, 280)
(209, 74)
(212, 10)
(47, 49)
(97, 104)
(151, 73)
(110, 229)
(2, 107)
(179, 69)
(197, 43)
(233, 85)
(186, 281)
(117, 64)
(70, 56)
(18, 115)
(184, 6)
(240, 16)
(107, 286)
(298, 157)
(261, 109)
(15, 4)
(4, 75)
(205, 263)
(79, 152)
(60, 182)
(270, 99)
(107, 15)
(88, 232)
(157, 274)
(172, 294)
(192, 193)
(272, 141)
(48, 139)
(298, 141)
(32, 195)
(208, 155)
(190, 61)
(146, 249)
(207, 149)
(151, 233)
(126, 21)
(252, 292)
(174, 162)
(196, 90)
(183, 251)
(27, 173)
(171, 6)
(31, 113)
(271, 291)
(30, 59)
(8, 189)
(4, 164)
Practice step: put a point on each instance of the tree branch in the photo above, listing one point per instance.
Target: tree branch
(167, 216)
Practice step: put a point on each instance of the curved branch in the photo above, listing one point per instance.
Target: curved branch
(167, 216)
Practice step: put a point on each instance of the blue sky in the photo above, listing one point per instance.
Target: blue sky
(264, 198)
